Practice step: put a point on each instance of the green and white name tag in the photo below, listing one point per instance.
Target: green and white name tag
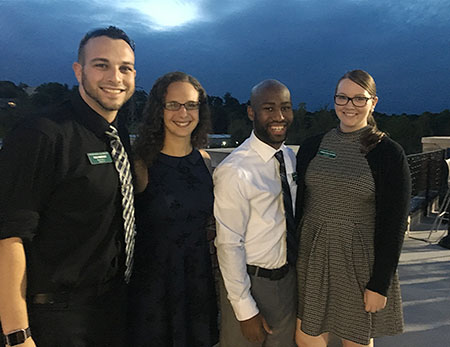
(327, 153)
(99, 158)
(294, 176)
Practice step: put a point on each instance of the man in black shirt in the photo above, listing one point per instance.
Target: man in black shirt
(62, 244)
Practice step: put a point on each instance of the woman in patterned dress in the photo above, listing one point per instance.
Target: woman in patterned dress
(352, 203)
(172, 299)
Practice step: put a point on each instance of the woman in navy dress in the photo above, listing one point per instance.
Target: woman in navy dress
(172, 297)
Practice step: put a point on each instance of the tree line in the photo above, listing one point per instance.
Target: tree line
(229, 115)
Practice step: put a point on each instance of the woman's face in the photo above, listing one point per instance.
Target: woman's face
(182, 122)
(353, 117)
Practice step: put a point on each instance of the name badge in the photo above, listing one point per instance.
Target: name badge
(294, 177)
(99, 158)
(327, 153)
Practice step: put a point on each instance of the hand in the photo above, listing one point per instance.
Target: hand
(255, 328)
(374, 301)
(298, 332)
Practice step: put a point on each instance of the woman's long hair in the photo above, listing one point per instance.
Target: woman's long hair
(372, 136)
(151, 134)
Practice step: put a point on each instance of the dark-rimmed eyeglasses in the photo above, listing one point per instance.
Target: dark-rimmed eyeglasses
(357, 101)
(175, 105)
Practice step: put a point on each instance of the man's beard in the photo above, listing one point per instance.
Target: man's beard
(263, 133)
(93, 94)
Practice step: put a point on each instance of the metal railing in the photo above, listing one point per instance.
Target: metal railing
(428, 178)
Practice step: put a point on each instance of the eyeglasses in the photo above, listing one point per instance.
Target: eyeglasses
(175, 105)
(357, 101)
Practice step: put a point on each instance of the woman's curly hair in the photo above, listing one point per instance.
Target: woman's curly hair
(150, 139)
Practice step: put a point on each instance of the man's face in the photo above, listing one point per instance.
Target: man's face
(272, 115)
(106, 75)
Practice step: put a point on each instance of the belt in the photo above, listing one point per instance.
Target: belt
(272, 274)
(84, 295)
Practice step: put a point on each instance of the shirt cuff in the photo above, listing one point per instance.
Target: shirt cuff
(19, 223)
(245, 308)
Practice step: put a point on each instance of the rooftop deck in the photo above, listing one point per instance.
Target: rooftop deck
(424, 272)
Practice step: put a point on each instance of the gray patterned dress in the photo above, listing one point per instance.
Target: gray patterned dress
(337, 245)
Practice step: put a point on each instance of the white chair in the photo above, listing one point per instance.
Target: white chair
(442, 214)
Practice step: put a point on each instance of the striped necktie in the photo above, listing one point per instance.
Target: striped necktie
(122, 165)
(291, 237)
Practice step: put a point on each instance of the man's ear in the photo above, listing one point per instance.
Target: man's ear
(250, 113)
(77, 69)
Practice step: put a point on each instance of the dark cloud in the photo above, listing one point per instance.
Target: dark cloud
(307, 45)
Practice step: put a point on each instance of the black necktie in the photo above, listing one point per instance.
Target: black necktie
(122, 165)
(288, 211)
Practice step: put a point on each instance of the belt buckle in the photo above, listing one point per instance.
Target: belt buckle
(50, 298)
(44, 299)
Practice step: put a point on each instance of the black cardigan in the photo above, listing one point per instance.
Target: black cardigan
(392, 178)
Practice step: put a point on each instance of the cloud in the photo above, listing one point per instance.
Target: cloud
(230, 45)
(413, 12)
(170, 15)
(163, 15)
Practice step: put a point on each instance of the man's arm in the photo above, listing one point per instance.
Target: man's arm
(13, 308)
(232, 211)
(27, 175)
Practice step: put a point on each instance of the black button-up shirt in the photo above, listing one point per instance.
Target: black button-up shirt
(66, 209)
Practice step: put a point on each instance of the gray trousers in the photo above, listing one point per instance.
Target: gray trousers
(277, 302)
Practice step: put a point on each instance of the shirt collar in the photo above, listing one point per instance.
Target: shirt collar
(192, 158)
(89, 118)
(265, 151)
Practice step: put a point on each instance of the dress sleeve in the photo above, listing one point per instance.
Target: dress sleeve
(393, 194)
(26, 177)
(232, 211)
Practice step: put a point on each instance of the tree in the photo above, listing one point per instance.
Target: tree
(215, 101)
(8, 90)
(239, 129)
(230, 101)
(440, 123)
(219, 117)
(296, 133)
(228, 115)
(132, 111)
(52, 93)
(10, 114)
(224, 113)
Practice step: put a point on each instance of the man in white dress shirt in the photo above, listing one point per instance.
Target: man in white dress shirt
(258, 302)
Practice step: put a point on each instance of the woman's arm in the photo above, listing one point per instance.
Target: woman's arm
(393, 194)
(141, 172)
(207, 159)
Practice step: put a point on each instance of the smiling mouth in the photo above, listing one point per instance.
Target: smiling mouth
(182, 124)
(112, 90)
(278, 128)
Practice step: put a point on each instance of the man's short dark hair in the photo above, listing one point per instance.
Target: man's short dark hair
(111, 32)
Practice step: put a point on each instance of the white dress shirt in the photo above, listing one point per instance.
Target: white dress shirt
(249, 211)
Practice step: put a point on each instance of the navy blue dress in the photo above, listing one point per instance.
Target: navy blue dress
(172, 297)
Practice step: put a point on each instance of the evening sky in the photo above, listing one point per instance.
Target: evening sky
(230, 45)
